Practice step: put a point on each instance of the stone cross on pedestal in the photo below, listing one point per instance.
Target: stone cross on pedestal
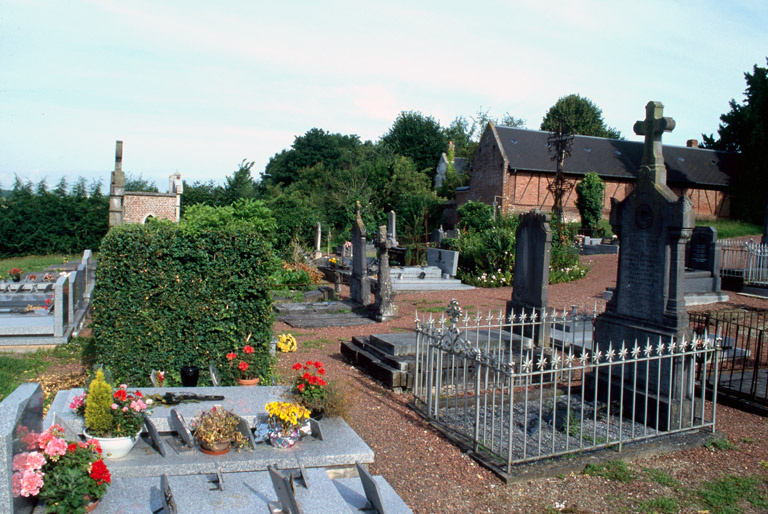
(385, 296)
(652, 128)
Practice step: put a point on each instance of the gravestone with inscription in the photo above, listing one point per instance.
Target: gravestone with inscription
(385, 296)
(648, 305)
(446, 260)
(359, 284)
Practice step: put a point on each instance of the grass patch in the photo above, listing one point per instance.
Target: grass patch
(612, 470)
(18, 368)
(661, 477)
(34, 263)
(662, 505)
(424, 301)
(399, 330)
(725, 493)
(315, 343)
(731, 228)
(432, 309)
(720, 445)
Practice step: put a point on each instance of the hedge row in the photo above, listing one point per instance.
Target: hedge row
(165, 299)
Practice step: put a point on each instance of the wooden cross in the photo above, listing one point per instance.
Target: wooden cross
(652, 128)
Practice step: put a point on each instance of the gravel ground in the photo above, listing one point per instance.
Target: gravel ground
(434, 476)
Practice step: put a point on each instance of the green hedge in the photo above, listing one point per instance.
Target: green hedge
(165, 298)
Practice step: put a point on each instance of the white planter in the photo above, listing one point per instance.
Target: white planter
(114, 447)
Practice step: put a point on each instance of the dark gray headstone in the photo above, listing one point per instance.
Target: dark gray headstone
(446, 260)
(315, 427)
(178, 424)
(245, 429)
(285, 494)
(371, 489)
(701, 249)
(169, 504)
(385, 295)
(359, 285)
(154, 436)
(219, 476)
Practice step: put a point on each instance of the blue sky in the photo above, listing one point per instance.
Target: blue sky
(197, 86)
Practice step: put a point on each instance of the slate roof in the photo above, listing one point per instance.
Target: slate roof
(527, 150)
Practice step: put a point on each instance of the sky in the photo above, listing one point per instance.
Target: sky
(198, 86)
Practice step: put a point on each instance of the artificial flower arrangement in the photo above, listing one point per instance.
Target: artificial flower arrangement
(66, 475)
(48, 277)
(218, 426)
(286, 343)
(111, 413)
(245, 362)
(15, 274)
(287, 422)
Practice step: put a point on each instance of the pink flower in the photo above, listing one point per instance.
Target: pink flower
(114, 406)
(125, 409)
(20, 461)
(35, 460)
(123, 386)
(76, 402)
(56, 447)
(27, 483)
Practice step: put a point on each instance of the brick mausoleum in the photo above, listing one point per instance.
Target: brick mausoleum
(513, 167)
(138, 207)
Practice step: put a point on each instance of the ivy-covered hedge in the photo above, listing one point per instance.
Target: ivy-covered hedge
(165, 298)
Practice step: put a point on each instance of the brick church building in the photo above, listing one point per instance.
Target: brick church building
(513, 167)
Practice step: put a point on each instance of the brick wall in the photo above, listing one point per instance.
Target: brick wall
(138, 206)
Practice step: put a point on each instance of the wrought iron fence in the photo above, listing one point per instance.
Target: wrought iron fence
(531, 388)
(743, 369)
(747, 260)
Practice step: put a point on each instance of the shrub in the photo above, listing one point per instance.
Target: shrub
(166, 297)
(589, 200)
(98, 410)
(475, 216)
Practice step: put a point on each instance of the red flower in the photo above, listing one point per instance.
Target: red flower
(318, 364)
(100, 473)
(309, 363)
(120, 394)
(248, 349)
(306, 376)
(242, 366)
(300, 387)
(322, 382)
(231, 356)
(296, 366)
(321, 371)
(312, 380)
(72, 448)
(139, 394)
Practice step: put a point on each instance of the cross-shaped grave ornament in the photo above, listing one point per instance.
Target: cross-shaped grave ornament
(652, 128)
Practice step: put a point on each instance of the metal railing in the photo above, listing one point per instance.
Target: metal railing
(528, 388)
(743, 369)
(745, 259)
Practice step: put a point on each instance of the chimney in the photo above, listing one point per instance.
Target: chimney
(692, 143)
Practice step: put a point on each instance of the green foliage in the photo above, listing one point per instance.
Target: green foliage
(744, 129)
(612, 470)
(166, 297)
(589, 200)
(727, 492)
(719, 445)
(286, 278)
(661, 477)
(580, 116)
(140, 184)
(564, 263)
(243, 214)
(419, 137)
(239, 186)
(475, 216)
(728, 228)
(67, 220)
(98, 410)
(34, 263)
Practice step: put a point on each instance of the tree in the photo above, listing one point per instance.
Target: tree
(589, 200)
(314, 147)
(744, 129)
(239, 185)
(581, 117)
(419, 137)
(140, 184)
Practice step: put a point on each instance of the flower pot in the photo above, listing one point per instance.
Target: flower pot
(318, 414)
(189, 376)
(247, 381)
(114, 447)
(283, 440)
(16, 279)
(92, 504)
(215, 448)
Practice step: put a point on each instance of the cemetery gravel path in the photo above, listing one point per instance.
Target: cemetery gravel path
(433, 476)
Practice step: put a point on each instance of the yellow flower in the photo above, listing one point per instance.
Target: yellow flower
(286, 343)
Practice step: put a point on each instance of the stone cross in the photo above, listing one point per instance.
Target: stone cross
(652, 128)
(318, 238)
(392, 227)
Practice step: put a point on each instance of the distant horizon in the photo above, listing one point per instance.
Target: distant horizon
(196, 87)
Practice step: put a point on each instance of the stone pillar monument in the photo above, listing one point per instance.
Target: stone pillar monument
(359, 285)
(117, 188)
(318, 238)
(653, 226)
(385, 296)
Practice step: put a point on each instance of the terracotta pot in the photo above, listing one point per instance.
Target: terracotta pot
(114, 447)
(216, 448)
(247, 381)
(92, 504)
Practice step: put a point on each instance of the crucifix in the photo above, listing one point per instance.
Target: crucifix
(652, 128)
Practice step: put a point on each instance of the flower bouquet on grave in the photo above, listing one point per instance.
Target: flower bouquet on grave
(217, 431)
(68, 476)
(113, 418)
(311, 390)
(15, 274)
(245, 364)
(287, 423)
